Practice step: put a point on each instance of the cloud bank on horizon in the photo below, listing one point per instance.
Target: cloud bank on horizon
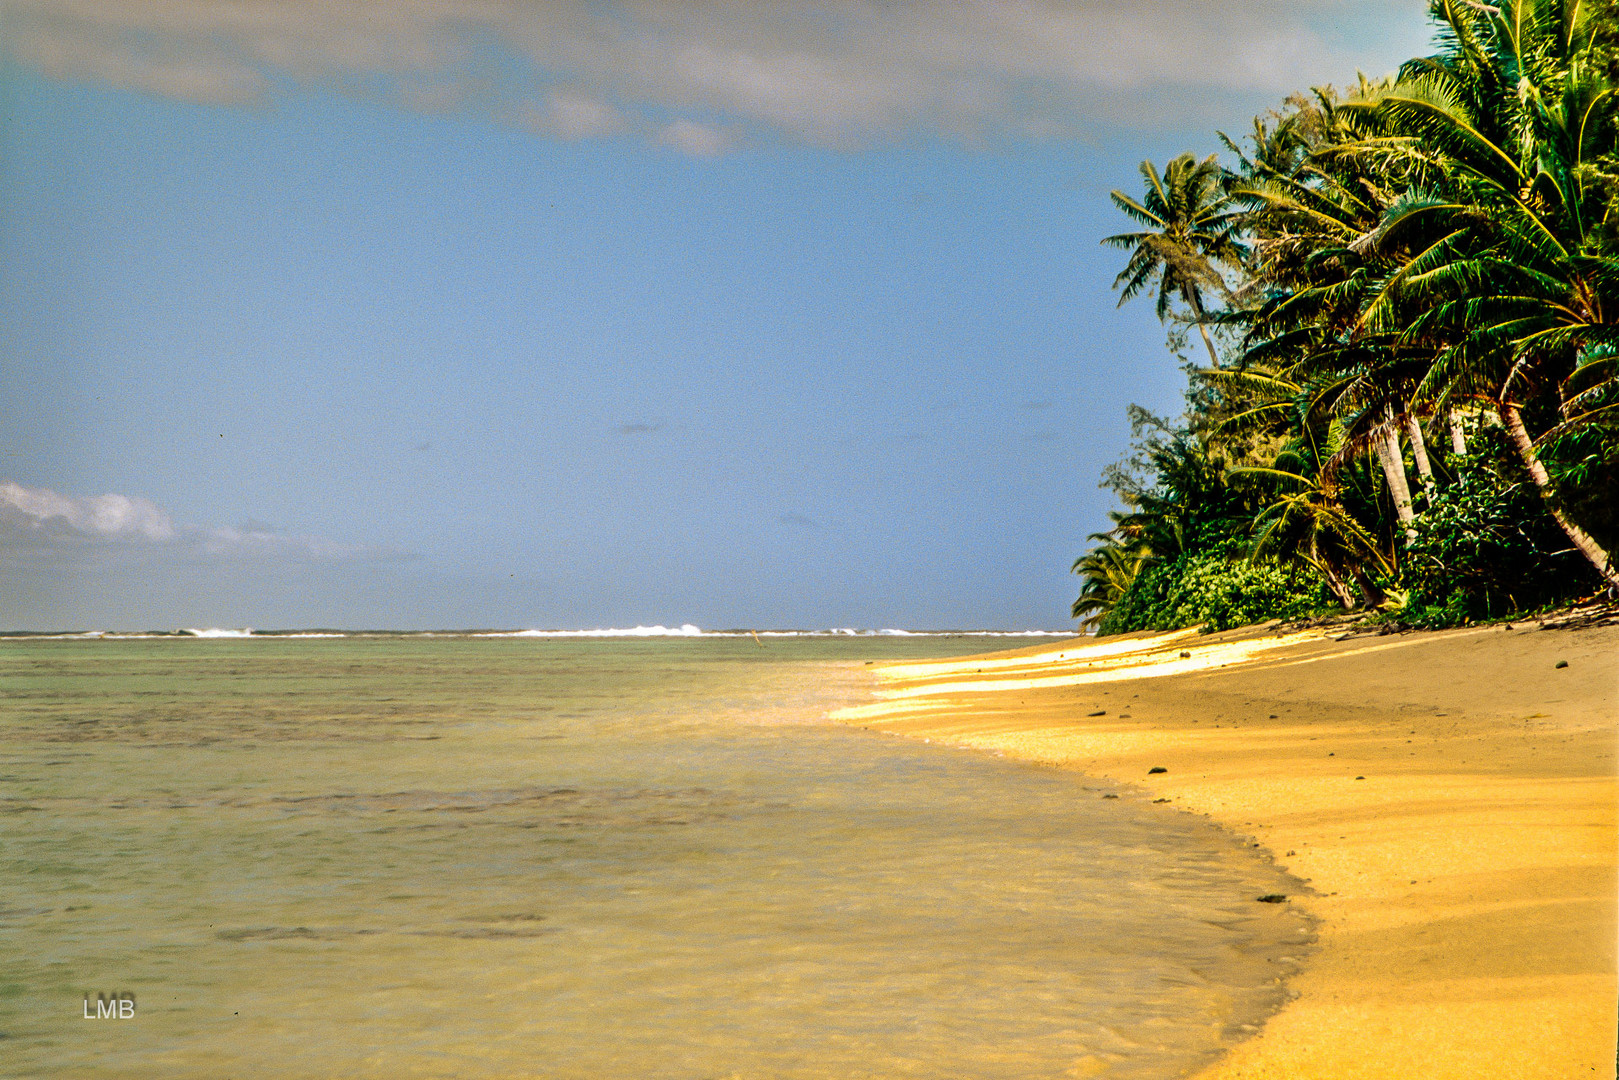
(39, 522)
(704, 76)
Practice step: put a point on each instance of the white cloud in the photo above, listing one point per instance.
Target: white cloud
(36, 513)
(698, 140)
(569, 115)
(38, 521)
(836, 72)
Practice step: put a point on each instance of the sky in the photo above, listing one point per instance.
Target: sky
(417, 314)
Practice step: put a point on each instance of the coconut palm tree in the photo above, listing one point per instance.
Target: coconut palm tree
(1190, 238)
(1439, 243)
(1108, 569)
(1523, 289)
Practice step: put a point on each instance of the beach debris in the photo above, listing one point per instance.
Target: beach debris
(1561, 664)
(1098, 712)
(1186, 656)
(1360, 778)
(1156, 769)
(1110, 796)
(1160, 800)
(1272, 898)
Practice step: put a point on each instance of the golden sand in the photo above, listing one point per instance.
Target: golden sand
(1451, 799)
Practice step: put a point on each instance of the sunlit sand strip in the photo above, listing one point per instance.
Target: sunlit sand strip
(1079, 649)
(1078, 666)
(1173, 654)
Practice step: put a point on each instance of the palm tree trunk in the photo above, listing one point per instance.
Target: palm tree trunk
(1582, 540)
(1195, 302)
(1208, 344)
(1419, 449)
(1339, 587)
(1368, 588)
(1458, 437)
(1387, 445)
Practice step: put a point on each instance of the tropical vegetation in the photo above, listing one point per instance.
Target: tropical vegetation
(1407, 291)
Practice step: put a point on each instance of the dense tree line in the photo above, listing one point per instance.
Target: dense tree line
(1407, 293)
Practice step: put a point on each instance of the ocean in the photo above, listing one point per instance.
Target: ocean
(602, 858)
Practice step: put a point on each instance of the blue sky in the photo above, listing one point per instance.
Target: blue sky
(566, 316)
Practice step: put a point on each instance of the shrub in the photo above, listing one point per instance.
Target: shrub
(1220, 588)
(1486, 547)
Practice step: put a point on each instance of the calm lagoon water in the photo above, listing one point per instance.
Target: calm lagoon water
(603, 859)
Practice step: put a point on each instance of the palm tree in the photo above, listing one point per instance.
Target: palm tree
(1309, 521)
(1329, 226)
(1190, 235)
(1521, 291)
(1439, 243)
(1109, 569)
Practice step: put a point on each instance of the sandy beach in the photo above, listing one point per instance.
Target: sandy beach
(1448, 798)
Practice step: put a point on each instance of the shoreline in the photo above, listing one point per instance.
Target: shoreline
(1450, 797)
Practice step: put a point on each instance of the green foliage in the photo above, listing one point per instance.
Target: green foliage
(1176, 487)
(1485, 547)
(1381, 264)
(1484, 554)
(1218, 587)
(1109, 570)
(1585, 464)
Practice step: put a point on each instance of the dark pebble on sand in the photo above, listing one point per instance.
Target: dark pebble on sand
(1098, 712)
(1156, 769)
(1561, 664)
(1186, 656)
(1272, 898)
(1110, 796)
(1360, 778)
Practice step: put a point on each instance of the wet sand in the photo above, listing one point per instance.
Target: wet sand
(1450, 798)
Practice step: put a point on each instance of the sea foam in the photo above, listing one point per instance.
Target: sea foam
(683, 630)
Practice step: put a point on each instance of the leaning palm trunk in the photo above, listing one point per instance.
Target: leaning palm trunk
(1368, 588)
(1339, 587)
(1200, 317)
(1208, 344)
(1537, 471)
(1419, 449)
(1387, 445)
(1458, 437)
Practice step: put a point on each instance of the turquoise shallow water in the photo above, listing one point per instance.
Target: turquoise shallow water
(394, 857)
